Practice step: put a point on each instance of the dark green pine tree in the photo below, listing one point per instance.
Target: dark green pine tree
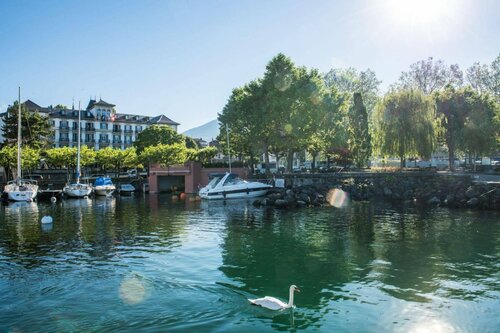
(359, 136)
(36, 130)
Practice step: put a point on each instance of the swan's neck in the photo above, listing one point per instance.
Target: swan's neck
(290, 299)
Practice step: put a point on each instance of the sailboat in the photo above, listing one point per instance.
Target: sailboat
(78, 190)
(20, 189)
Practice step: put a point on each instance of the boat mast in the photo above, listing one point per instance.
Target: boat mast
(78, 151)
(228, 148)
(19, 137)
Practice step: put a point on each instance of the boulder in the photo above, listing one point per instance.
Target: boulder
(471, 192)
(450, 199)
(281, 203)
(301, 203)
(473, 202)
(433, 201)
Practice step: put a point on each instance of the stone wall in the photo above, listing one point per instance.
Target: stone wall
(422, 188)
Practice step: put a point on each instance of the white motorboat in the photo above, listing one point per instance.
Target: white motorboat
(126, 189)
(104, 186)
(20, 189)
(78, 190)
(230, 186)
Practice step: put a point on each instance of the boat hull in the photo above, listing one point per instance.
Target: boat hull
(23, 192)
(28, 195)
(234, 194)
(106, 190)
(77, 190)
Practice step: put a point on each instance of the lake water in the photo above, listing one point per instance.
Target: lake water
(146, 264)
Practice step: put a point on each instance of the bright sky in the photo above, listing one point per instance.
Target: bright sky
(182, 58)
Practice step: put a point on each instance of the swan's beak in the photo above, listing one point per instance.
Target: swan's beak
(297, 290)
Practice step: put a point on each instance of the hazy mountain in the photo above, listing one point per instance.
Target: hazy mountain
(207, 131)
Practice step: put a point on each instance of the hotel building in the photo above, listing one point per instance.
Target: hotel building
(101, 126)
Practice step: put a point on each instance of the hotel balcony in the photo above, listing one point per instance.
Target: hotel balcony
(90, 129)
(117, 143)
(128, 130)
(64, 128)
(117, 130)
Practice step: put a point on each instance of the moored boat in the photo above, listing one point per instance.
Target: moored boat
(78, 190)
(104, 186)
(230, 186)
(20, 189)
(126, 189)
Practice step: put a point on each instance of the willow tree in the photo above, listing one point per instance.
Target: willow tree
(405, 125)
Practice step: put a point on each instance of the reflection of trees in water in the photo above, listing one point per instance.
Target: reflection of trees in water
(88, 231)
(317, 249)
(403, 250)
(421, 250)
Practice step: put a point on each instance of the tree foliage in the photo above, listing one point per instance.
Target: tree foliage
(405, 125)
(155, 135)
(165, 154)
(36, 129)
(349, 81)
(30, 158)
(359, 135)
(429, 76)
(485, 78)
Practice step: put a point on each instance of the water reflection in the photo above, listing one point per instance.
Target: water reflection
(146, 263)
(401, 252)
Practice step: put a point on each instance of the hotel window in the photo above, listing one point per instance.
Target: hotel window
(104, 126)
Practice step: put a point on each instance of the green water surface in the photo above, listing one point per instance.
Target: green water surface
(146, 264)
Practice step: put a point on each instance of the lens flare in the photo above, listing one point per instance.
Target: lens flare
(133, 290)
(337, 198)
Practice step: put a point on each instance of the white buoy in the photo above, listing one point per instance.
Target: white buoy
(53, 199)
(47, 219)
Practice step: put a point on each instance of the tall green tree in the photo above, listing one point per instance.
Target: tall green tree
(36, 129)
(359, 135)
(452, 107)
(241, 119)
(481, 131)
(405, 125)
(157, 134)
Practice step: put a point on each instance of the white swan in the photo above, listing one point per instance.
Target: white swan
(274, 303)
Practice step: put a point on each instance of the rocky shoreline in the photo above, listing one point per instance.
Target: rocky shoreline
(432, 190)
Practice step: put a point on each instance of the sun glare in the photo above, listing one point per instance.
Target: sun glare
(420, 15)
(416, 11)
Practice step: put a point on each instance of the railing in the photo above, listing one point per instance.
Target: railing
(128, 131)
